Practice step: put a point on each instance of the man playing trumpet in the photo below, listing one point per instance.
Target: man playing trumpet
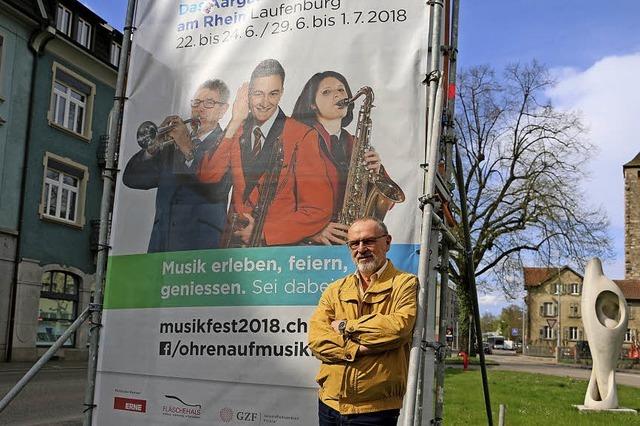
(190, 214)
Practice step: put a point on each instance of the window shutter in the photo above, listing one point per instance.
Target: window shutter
(542, 333)
(542, 310)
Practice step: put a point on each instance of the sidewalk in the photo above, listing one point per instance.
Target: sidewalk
(524, 360)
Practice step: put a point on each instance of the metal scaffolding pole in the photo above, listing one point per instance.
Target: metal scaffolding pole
(429, 345)
(442, 331)
(451, 54)
(427, 200)
(108, 180)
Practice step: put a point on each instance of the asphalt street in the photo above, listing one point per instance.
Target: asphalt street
(53, 398)
(548, 366)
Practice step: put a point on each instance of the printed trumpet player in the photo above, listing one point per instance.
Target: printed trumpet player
(190, 214)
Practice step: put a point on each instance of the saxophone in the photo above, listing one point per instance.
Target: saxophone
(366, 193)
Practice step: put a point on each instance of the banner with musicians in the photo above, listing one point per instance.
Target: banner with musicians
(254, 133)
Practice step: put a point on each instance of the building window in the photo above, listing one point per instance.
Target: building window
(629, 336)
(63, 20)
(574, 288)
(69, 107)
(547, 333)
(63, 191)
(71, 102)
(574, 333)
(115, 53)
(557, 288)
(83, 33)
(574, 310)
(58, 307)
(548, 309)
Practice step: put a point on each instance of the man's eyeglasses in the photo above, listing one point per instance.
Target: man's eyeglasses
(367, 242)
(208, 103)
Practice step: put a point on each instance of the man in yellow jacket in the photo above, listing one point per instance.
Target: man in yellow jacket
(361, 331)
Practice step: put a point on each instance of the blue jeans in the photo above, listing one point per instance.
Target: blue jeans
(327, 416)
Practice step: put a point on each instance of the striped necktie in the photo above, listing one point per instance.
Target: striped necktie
(257, 141)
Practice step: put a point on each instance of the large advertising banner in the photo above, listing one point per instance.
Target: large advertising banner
(254, 133)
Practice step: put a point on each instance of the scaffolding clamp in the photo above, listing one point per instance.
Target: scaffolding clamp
(427, 199)
(432, 76)
(439, 348)
(110, 173)
(447, 49)
(102, 246)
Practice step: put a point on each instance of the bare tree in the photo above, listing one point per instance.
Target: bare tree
(523, 166)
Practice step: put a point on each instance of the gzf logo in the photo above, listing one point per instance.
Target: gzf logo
(246, 416)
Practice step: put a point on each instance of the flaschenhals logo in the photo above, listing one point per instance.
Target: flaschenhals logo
(180, 408)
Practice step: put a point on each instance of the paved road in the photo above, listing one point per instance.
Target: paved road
(53, 398)
(548, 366)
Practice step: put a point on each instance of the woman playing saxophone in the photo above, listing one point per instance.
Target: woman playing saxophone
(325, 105)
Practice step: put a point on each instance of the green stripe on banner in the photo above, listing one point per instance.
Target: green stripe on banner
(233, 277)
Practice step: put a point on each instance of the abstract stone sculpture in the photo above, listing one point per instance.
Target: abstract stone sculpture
(605, 317)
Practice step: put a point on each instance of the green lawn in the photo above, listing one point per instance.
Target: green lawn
(531, 399)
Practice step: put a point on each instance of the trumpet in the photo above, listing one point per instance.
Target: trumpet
(153, 138)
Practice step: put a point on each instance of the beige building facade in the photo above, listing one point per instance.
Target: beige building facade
(553, 306)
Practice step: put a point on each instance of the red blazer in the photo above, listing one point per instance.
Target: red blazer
(303, 201)
(332, 170)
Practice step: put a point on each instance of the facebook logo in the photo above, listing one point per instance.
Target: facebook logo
(165, 348)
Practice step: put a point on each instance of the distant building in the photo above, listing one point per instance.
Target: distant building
(553, 303)
(58, 76)
(552, 289)
(631, 172)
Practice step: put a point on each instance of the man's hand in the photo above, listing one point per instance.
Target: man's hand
(245, 233)
(180, 134)
(239, 111)
(363, 350)
(333, 233)
(372, 161)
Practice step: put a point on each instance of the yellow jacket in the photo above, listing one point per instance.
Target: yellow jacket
(383, 321)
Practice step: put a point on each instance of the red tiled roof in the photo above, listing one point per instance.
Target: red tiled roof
(535, 276)
(630, 288)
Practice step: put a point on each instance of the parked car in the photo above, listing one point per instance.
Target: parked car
(496, 342)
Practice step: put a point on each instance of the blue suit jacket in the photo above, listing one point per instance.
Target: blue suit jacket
(190, 215)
